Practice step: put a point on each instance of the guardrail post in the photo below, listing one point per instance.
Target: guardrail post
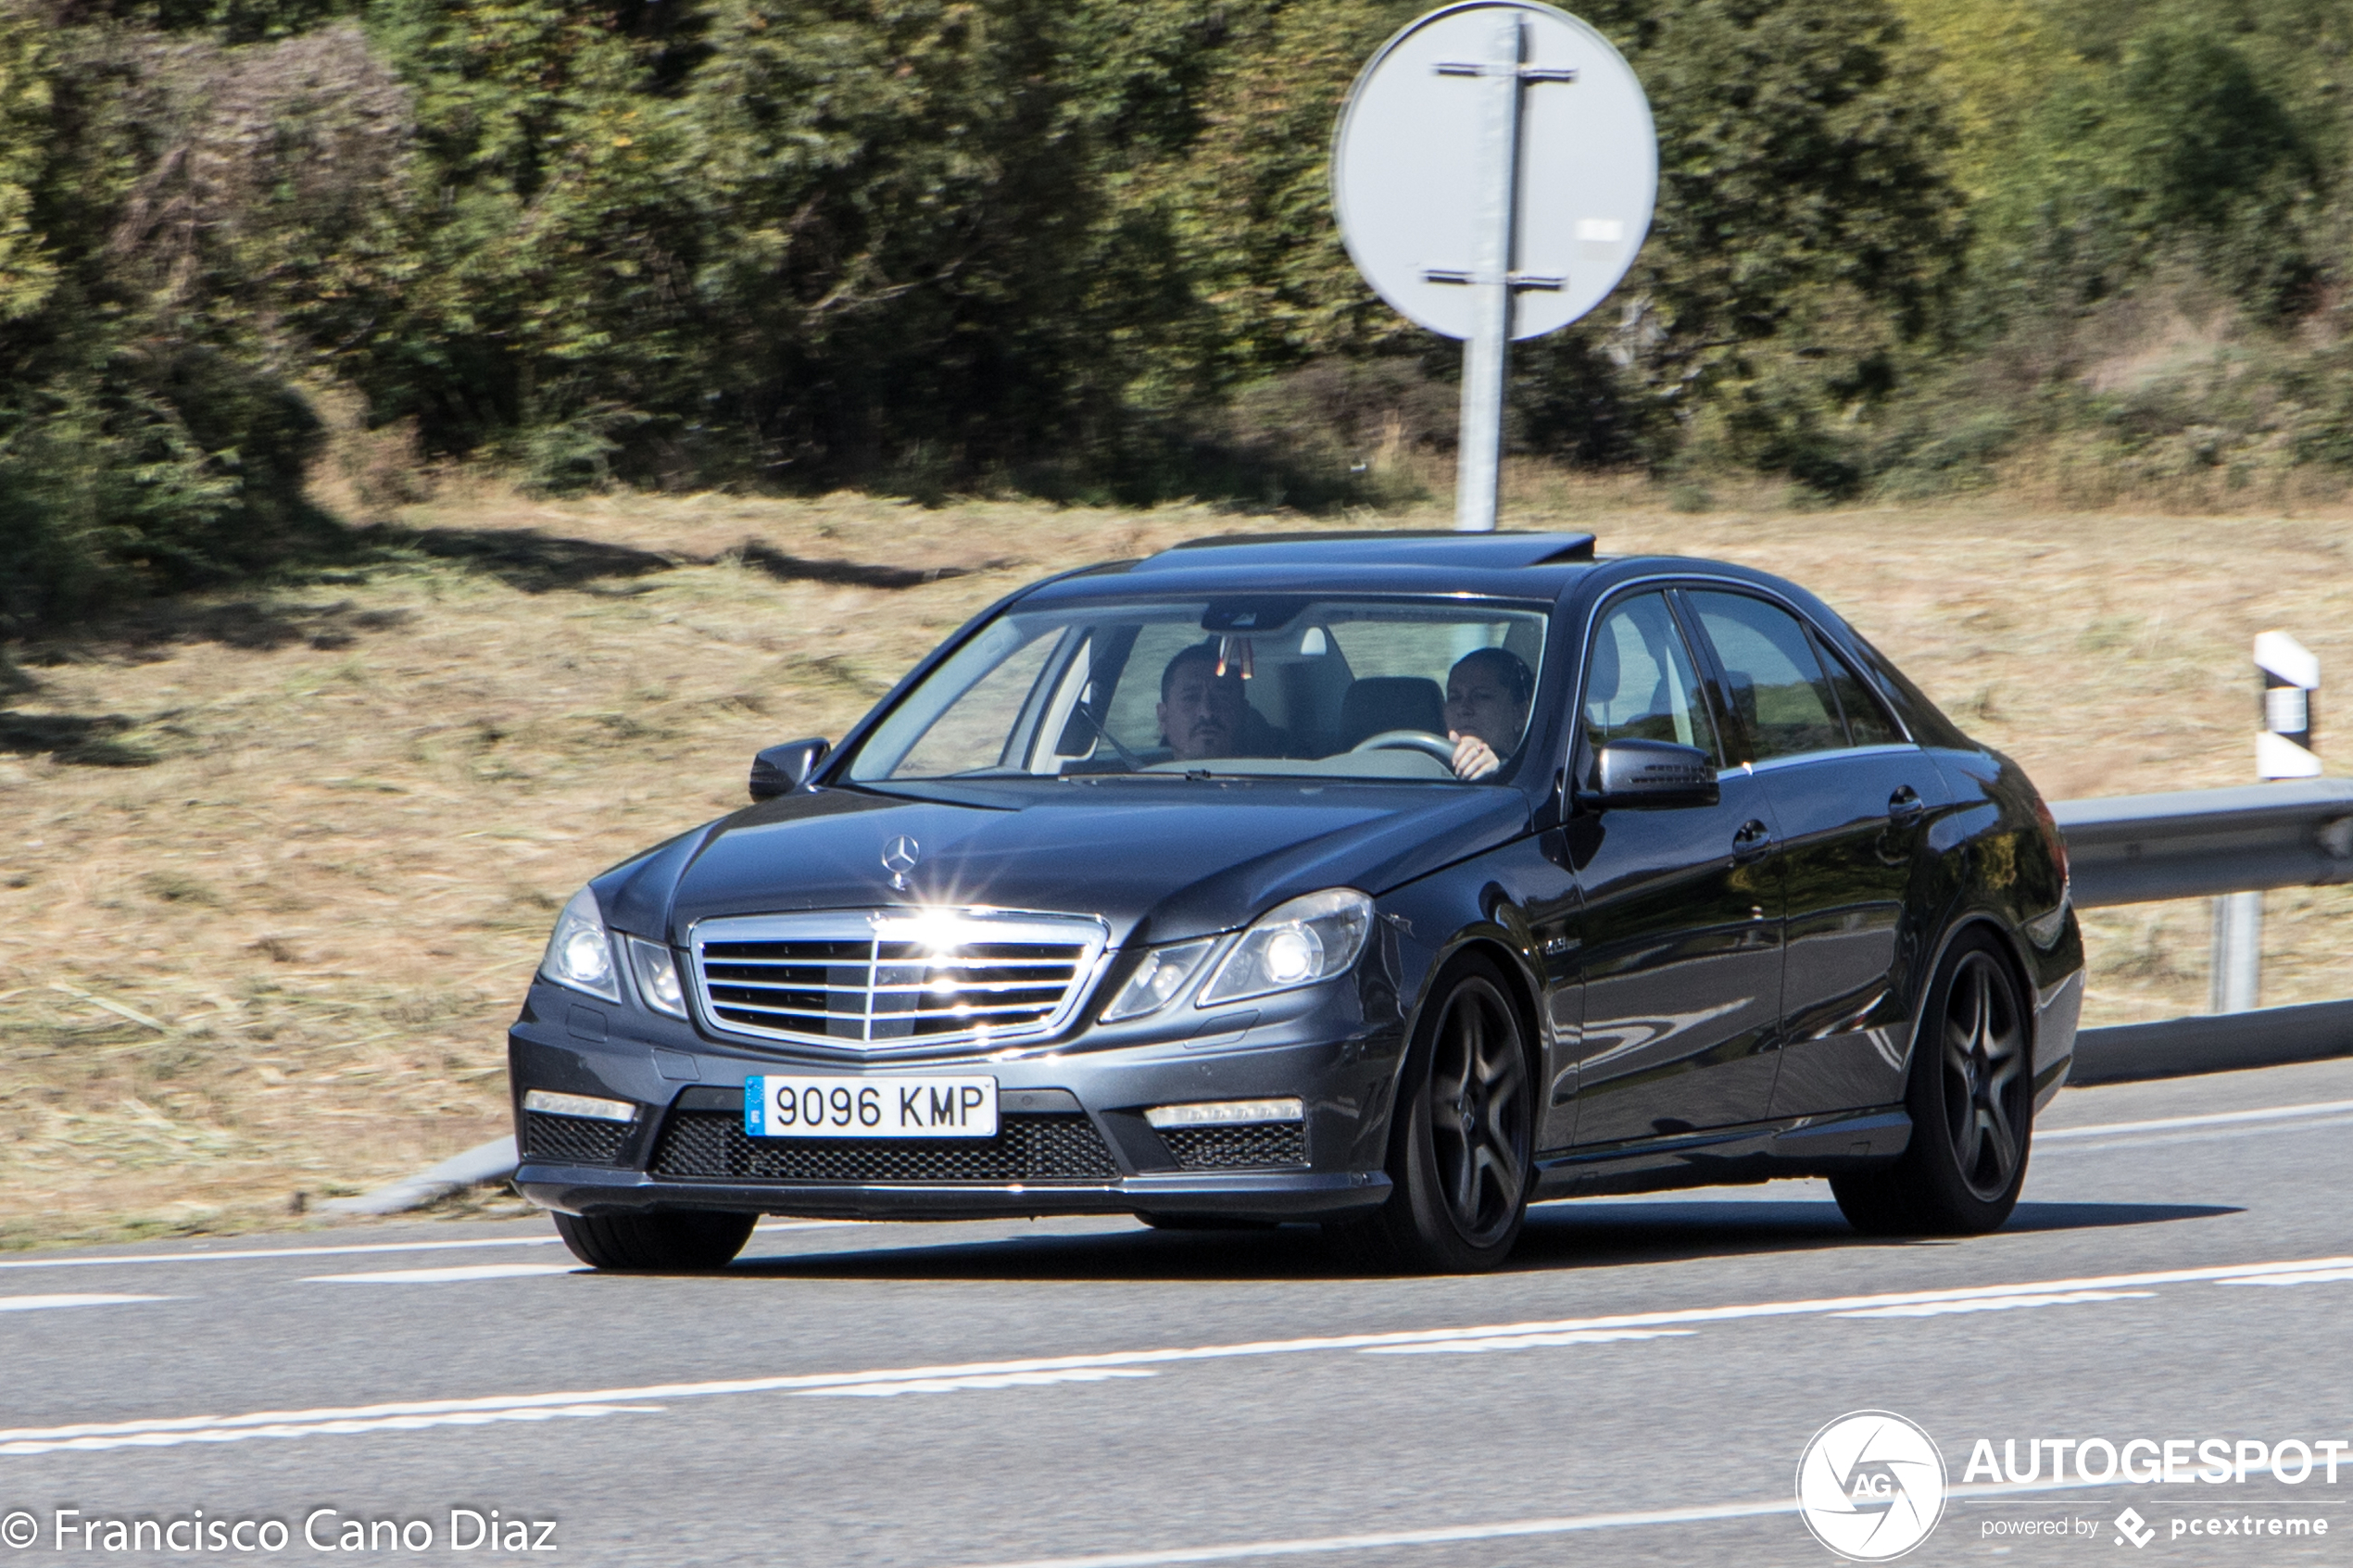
(2237, 984)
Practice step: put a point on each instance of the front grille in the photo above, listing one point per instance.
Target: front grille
(580, 1140)
(712, 1146)
(1248, 1145)
(874, 979)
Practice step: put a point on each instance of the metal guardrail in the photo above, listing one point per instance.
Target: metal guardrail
(2140, 849)
(2195, 843)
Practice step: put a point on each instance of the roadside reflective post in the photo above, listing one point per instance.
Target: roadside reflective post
(2283, 750)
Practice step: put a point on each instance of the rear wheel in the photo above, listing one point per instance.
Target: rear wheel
(673, 1241)
(1971, 1100)
(1460, 1137)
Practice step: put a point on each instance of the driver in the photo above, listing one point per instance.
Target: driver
(1200, 711)
(1487, 694)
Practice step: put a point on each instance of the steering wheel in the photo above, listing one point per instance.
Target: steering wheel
(1409, 740)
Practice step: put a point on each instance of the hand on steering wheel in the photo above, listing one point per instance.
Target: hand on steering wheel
(1472, 758)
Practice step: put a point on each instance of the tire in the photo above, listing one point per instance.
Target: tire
(1460, 1137)
(676, 1241)
(1971, 1100)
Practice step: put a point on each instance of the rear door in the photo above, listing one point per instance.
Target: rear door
(1853, 798)
(1680, 925)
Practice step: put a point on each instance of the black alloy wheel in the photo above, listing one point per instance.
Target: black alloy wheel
(680, 1241)
(1971, 1100)
(1460, 1145)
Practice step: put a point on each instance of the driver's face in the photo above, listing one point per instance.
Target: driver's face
(1203, 714)
(1479, 704)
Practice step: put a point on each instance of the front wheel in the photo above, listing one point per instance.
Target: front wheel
(1971, 1098)
(676, 1241)
(1460, 1139)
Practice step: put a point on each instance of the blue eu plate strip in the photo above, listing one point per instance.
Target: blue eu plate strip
(756, 1108)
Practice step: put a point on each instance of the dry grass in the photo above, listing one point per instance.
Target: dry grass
(273, 866)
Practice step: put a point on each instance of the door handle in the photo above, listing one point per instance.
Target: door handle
(1905, 806)
(1753, 839)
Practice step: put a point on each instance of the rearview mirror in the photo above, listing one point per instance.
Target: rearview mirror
(1652, 773)
(780, 769)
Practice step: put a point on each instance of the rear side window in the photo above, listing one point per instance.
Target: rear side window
(1867, 722)
(1641, 683)
(1776, 684)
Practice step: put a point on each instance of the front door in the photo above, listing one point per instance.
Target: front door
(1681, 920)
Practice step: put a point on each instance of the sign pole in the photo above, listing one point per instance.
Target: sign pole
(1479, 480)
(1485, 206)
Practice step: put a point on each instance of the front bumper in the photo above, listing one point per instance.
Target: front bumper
(1074, 1140)
(1239, 1195)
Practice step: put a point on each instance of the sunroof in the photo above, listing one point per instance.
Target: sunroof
(1476, 552)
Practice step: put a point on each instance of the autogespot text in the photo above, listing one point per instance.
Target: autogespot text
(2151, 1461)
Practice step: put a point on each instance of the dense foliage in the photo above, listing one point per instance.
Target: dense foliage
(1084, 247)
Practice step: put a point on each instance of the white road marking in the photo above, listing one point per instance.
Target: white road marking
(23, 1440)
(42, 1303)
(1238, 1551)
(2218, 1119)
(890, 1387)
(1455, 1534)
(1529, 1341)
(1998, 1303)
(2313, 1277)
(249, 1254)
(418, 1423)
(448, 1277)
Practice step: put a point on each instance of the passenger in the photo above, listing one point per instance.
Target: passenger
(1202, 714)
(1487, 694)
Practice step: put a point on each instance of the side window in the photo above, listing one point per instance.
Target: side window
(1866, 720)
(1641, 683)
(1777, 685)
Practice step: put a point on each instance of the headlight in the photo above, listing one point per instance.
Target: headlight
(580, 953)
(656, 972)
(1296, 944)
(1158, 980)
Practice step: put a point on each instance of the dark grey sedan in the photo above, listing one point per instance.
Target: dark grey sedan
(1392, 882)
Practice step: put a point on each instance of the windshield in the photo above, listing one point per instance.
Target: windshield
(1388, 688)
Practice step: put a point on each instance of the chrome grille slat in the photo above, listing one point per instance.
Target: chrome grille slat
(895, 980)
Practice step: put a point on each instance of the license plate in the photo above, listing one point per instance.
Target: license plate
(782, 1106)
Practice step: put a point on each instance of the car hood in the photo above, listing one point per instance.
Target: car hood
(1158, 862)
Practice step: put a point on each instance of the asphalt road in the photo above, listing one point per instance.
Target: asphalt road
(1637, 1388)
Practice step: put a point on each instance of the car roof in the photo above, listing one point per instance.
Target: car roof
(1500, 564)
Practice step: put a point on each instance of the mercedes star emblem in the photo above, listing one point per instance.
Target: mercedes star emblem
(898, 858)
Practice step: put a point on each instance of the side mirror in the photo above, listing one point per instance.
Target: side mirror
(1652, 774)
(780, 769)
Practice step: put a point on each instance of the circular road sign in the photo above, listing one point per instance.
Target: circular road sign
(1407, 181)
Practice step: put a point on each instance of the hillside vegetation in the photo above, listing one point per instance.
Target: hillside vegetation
(1082, 250)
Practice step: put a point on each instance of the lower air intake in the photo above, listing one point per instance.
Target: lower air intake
(712, 1146)
(1246, 1146)
(576, 1140)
